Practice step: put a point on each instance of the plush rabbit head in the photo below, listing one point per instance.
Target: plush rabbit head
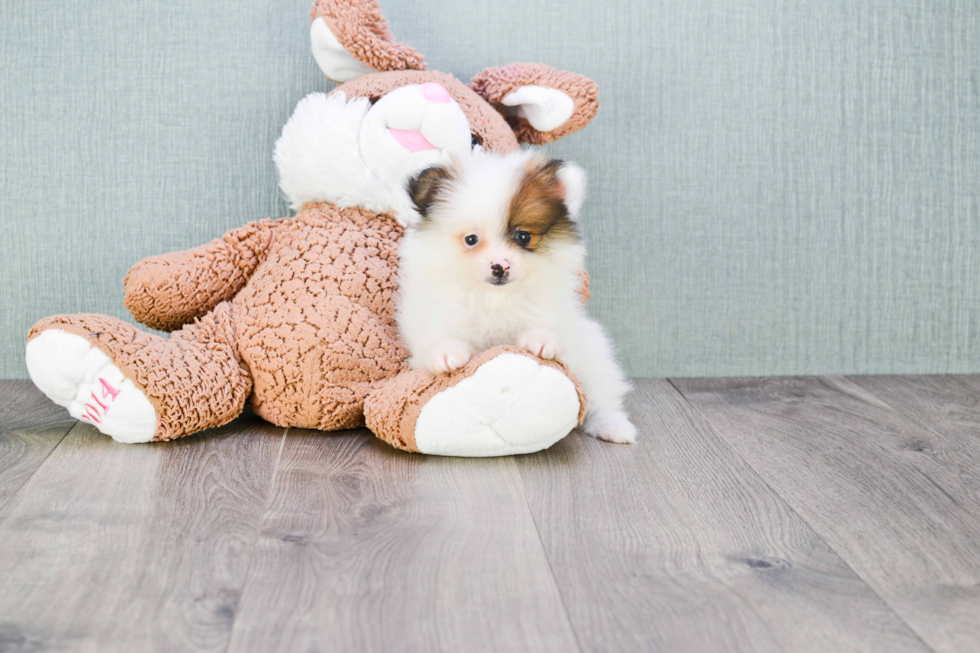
(390, 117)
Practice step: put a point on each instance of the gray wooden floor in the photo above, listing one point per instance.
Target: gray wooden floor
(781, 514)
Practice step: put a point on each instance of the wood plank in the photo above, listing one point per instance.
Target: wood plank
(31, 426)
(900, 503)
(367, 548)
(947, 404)
(113, 547)
(675, 544)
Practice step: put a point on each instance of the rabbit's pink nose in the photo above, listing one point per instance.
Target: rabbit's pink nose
(435, 93)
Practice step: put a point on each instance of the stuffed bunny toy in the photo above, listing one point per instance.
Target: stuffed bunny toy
(296, 315)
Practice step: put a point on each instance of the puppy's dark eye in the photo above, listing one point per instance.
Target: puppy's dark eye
(522, 237)
(474, 141)
(471, 240)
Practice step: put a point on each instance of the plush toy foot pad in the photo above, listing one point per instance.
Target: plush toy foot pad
(502, 402)
(83, 379)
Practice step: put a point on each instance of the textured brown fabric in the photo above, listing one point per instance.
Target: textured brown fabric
(392, 411)
(487, 124)
(361, 29)
(168, 291)
(316, 321)
(194, 379)
(311, 334)
(494, 83)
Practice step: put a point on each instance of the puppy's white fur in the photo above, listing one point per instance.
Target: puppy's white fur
(449, 308)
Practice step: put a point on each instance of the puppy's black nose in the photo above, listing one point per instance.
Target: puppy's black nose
(498, 270)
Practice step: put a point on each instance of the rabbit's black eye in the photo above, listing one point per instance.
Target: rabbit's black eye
(471, 240)
(474, 141)
(523, 238)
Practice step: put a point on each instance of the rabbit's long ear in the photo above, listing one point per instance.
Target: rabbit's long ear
(350, 38)
(540, 103)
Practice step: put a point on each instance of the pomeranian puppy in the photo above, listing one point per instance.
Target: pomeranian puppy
(494, 260)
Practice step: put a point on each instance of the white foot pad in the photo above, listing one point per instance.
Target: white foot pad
(511, 405)
(81, 378)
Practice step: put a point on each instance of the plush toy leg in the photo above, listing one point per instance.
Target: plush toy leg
(504, 401)
(137, 387)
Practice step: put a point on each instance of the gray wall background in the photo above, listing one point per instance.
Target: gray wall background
(778, 186)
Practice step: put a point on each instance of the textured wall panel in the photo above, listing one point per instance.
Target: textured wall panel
(777, 187)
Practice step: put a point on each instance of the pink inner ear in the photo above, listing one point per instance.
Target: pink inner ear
(411, 140)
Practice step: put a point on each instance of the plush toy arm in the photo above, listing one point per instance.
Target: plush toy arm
(166, 292)
(540, 103)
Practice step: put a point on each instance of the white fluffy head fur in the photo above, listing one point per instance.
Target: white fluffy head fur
(496, 249)
(500, 220)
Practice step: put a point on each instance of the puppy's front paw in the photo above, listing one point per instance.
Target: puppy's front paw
(611, 426)
(540, 342)
(449, 356)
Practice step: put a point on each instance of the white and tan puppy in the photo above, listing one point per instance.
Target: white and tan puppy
(494, 260)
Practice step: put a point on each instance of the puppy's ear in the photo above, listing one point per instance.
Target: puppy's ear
(572, 178)
(425, 187)
(567, 181)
